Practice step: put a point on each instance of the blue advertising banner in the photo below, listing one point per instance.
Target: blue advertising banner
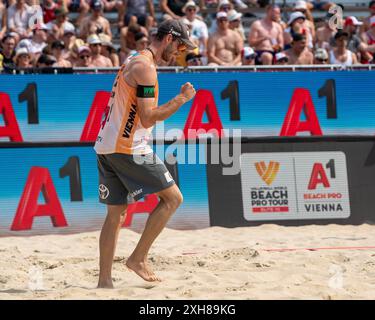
(54, 189)
(57, 107)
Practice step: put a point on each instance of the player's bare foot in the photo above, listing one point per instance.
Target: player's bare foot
(105, 284)
(142, 269)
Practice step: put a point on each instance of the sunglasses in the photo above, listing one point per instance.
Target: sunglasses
(96, 45)
(225, 8)
(251, 57)
(322, 60)
(283, 60)
(191, 9)
(221, 20)
(181, 47)
(84, 57)
(195, 60)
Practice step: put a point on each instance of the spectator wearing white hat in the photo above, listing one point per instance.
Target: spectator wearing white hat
(321, 56)
(301, 6)
(22, 59)
(266, 36)
(37, 43)
(97, 59)
(369, 38)
(222, 6)
(84, 58)
(296, 25)
(235, 23)
(299, 54)
(355, 44)
(199, 29)
(109, 50)
(248, 56)
(225, 45)
(281, 58)
(69, 36)
(95, 23)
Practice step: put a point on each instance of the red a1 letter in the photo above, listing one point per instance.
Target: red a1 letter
(318, 175)
(203, 102)
(39, 179)
(93, 121)
(11, 128)
(146, 206)
(301, 101)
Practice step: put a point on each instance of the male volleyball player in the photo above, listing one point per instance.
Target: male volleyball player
(122, 144)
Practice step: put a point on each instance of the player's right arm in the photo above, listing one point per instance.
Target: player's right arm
(144, 75)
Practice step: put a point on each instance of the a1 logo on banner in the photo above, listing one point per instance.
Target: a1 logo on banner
(290, 186)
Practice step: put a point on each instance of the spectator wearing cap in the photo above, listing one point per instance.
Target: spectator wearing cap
(235, 23)
(127, 39)
(296, 25)
(172, 9)
(58, 25)
(321, 56)
(355, 44)
(340, 54)
(109, 50)
(84, 57)
(199, 29)
(69, 36)
(18, 16)
(281, 58)
(3, 19)
(301, 6)
(135, 12)
(369, 38)
(225, 45)
(22, 59)
(57, 48)
(324, 34)
(45, 61)
(7, 52)
(97, 59)
(299, 54)
(366, 22)
(223, 6)
(95, 23)
(266, 36)
(37, 43)
(248, 56)
(193, 60)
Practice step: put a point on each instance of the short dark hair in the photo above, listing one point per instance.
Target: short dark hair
(134, 28)
(371, 3)
(6, 37)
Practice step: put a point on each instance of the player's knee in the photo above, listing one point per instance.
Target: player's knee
(173, 201)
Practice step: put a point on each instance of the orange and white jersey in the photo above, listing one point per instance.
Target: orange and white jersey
(121, 130)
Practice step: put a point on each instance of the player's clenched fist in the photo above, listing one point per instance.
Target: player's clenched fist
(188, 91)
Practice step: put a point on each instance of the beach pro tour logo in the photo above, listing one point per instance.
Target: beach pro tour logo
(294, 185)
(267, 173)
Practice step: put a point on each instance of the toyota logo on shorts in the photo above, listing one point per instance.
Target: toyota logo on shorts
(103, 192)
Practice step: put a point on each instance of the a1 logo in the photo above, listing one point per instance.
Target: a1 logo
(319, 175)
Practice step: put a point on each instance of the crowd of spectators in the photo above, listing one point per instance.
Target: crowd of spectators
(42, 33)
